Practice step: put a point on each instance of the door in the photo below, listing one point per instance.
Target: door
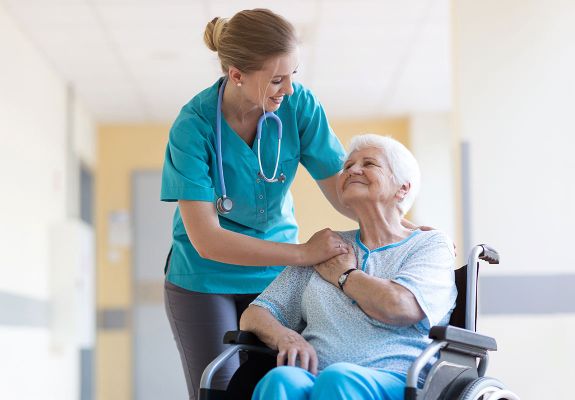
(157, 368)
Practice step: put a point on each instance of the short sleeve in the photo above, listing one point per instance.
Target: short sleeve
(185, 174)
(283, 297)
(321, 151)
(428, 273)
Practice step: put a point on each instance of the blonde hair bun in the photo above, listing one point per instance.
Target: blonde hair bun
(213, 32)
(249, 39)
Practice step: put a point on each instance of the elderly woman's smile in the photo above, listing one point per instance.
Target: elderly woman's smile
(366, 173)
(351, 180)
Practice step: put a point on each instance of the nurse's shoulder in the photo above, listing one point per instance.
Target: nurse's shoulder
(197, 117)
(304, 105)
(302, 98)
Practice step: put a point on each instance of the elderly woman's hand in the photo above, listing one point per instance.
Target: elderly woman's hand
(332, 269)
(293, 347)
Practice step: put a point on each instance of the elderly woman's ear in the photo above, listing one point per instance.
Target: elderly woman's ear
(403, 190)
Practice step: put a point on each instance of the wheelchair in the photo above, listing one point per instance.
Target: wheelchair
(461, 354)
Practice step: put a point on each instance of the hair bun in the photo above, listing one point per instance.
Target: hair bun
(213, 32)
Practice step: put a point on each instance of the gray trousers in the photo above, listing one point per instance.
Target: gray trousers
(198, 322)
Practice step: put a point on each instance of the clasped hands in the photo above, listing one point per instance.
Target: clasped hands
(332, 269)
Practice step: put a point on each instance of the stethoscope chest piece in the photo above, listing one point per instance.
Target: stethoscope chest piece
(224, 205)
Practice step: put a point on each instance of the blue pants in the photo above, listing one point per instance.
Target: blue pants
(337, 382)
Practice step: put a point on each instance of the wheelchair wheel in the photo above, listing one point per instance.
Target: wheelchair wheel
(482, 389)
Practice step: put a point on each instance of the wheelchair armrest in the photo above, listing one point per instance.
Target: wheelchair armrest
(243, 337)
(449, 339)
(455, 335)
(239, 341)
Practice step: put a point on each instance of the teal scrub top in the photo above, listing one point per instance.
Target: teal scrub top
(260, 209)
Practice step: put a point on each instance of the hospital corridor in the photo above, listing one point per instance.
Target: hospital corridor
(170, 167)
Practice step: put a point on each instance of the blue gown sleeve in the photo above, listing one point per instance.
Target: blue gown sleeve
(283, 297)
(428, 273)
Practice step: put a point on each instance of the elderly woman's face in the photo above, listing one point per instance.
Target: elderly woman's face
(366, 176)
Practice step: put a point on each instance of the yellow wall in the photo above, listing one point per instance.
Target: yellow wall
(121, 151)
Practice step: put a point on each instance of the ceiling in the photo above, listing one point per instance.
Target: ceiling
(139, 61)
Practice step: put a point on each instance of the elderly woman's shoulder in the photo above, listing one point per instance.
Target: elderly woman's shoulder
(435, 236)
(348, 236)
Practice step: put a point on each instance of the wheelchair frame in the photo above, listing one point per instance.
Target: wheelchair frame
(458, 373)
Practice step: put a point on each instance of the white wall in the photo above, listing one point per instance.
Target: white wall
(515, 94)
(32, 161)
(34, 157)
(432, 144)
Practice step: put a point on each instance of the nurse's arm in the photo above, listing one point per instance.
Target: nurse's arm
(328, 188)
(216, 243)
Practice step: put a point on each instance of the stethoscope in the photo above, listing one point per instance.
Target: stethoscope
(224, 204)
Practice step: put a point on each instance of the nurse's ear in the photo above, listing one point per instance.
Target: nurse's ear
(235, 76)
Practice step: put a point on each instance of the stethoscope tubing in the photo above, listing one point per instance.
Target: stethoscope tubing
(224, 199)
(259, 136)
(219, 138)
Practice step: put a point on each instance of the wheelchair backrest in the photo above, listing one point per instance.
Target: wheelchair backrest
(458, 316)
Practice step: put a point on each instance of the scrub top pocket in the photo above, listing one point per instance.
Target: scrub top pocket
(289, 169)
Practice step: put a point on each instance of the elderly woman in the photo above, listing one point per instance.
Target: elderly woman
(350, 327)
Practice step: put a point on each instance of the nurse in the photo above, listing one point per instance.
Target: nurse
(220, 261)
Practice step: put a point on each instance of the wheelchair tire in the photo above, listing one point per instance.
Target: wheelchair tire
(478, 388)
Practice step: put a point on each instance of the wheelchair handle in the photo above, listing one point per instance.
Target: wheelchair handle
(489, 254)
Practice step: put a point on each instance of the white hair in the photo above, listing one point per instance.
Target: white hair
(404, 167)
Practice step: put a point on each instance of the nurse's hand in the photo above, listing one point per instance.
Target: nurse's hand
(294, 350)
(322, 246)
(409, 225)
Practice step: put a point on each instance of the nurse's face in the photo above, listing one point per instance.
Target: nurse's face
(267, 87)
